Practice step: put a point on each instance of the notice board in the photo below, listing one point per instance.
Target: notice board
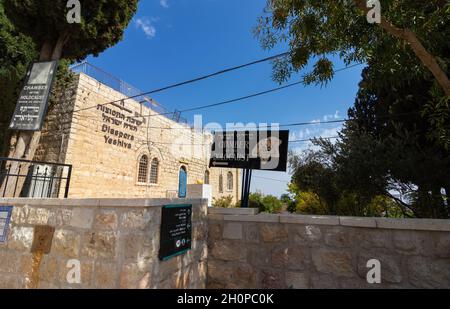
(176, 231)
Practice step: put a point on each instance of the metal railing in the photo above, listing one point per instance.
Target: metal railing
(40, 179)
(125, 89)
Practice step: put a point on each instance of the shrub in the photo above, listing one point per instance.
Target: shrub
(271, 204)
(224, 202)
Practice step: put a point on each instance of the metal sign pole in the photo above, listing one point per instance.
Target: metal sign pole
(246, 180)
(243, 188)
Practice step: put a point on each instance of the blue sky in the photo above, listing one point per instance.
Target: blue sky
(170, 41)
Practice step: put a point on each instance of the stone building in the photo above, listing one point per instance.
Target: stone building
(128, 148)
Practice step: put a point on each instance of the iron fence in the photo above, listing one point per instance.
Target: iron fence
(40, 179)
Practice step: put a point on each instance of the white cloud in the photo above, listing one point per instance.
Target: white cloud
(316, 130)
(145, 25)
(164, 3)
(331, 117)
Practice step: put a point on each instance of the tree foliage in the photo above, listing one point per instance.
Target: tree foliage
(265, 203)
(17, 51)
(223, 202)
(385, 151)
(318, 31)
(102, 24)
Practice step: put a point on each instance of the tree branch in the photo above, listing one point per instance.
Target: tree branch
(427, 59)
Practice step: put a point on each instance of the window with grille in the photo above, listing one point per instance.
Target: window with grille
(230, 181)
(206, 178)
(143, 169)
(221, 184)
(154, 171)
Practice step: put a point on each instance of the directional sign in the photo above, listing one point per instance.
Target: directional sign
(176, 231)
(33, 100)
(5, 217)
(259, 150)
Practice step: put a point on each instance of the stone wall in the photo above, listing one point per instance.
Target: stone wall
(105, 142)
(249, 250)
(116, 242)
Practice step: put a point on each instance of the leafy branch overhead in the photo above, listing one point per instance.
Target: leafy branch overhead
(321, 30)
(102, 24)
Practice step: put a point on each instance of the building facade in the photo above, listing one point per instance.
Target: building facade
(127, 148)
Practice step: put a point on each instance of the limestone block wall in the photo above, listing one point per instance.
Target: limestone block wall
(250, 250)
(116, 242)
(105, 142)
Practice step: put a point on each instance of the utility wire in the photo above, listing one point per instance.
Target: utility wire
(268, 178)
(209, 144)
(223, 102)
(312, 139)
(268, 127)
(297, 124)
(191, 80)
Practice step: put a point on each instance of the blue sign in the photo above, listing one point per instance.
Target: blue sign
(5, 217)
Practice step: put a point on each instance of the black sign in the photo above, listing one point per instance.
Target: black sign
(259, 150)
(32, 103)
(176, 231)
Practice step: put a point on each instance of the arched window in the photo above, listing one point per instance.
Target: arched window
(154, 169)
(220, 183)
(143, 169)
(206, 181)
(230, 181)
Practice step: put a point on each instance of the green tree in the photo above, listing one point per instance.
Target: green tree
(387, 145)
(271, 204)
(317, 30)
(223, 202)
(45, 21)
(288, 202)
(255, 200)
(384, 148)
(16, 53)
(310, 203)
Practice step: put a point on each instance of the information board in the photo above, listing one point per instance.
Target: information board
(257, 150)
(32, 104)
(176, 230)
(5, 217)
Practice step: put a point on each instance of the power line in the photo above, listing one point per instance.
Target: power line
(209, 144)
(258, 93)
(268, 178)
(312, 139)
(298, 124)
(191, 80)
(223, 102)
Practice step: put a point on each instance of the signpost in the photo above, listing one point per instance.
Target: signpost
(5, 217)
(33, 100)
(257, 150)
(176, 231)
(250, 150)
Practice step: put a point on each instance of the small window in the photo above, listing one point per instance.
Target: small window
(220, 184)
(154, 169)
(206, 182)
(143, 169)
(230, 181)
